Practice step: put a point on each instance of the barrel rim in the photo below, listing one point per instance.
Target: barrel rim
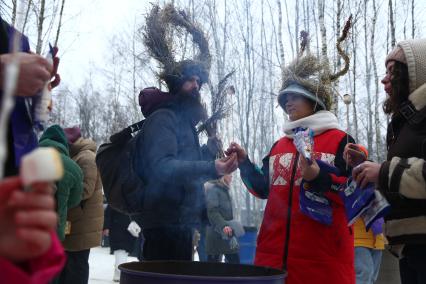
(281, 275)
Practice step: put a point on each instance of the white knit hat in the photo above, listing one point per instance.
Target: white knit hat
(397, 54)
(415, 54)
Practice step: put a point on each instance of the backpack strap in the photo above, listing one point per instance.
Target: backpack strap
(127, 133)
(411, 114)
(135, 127)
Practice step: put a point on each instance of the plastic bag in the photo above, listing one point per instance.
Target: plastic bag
(303, 140)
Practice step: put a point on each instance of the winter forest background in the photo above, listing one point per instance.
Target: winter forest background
(254, 38)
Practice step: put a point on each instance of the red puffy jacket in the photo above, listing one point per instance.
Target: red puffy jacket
(317, 253)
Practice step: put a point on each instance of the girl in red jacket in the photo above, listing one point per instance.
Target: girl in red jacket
(310, 251)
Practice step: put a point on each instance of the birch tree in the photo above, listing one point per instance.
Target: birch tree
(369, 113)
(377, 124)
(40, 25)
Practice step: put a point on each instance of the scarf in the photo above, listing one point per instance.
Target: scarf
(319, 122)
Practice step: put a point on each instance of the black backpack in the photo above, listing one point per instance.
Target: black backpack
(122, 187)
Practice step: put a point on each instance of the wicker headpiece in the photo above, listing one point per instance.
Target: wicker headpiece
(157, 38)
(310, 77)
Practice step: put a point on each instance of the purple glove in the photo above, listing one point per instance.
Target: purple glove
(377, 226)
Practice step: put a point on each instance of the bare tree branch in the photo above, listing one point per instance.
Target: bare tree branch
(61, 12)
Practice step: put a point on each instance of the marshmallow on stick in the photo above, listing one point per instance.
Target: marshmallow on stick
(41, 165)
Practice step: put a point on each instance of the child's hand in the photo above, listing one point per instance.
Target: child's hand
(353, 155)
(309, 171)
(227, 231)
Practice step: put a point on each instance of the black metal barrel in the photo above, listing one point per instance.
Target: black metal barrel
(180, 272)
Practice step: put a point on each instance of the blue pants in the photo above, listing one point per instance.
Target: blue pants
(367, 264)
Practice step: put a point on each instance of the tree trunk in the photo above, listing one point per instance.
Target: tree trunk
(314, 17)
(321, 10)
(14, 9)
(296, 28)
(338, 61)
(307, 25)
(368, 83)
(61, 12)
(40, 27)
(247, 91)
(392, 25)
(354, 90)
(26, 16)
(413, 26)
(378, 135)
(288, 25)
(280, 36)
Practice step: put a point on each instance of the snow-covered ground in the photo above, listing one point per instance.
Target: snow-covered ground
(101, 265)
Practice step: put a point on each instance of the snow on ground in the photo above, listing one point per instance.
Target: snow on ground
(101, 266)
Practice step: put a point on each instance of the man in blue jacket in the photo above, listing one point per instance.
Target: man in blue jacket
(169, 157)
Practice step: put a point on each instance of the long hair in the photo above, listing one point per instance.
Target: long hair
(400, 88)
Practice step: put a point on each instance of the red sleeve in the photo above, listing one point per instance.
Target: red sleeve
(40, 270)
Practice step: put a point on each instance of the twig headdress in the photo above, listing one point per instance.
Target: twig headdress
(310, 77)
(157, 39)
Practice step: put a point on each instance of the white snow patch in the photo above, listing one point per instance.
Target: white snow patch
(101, 266)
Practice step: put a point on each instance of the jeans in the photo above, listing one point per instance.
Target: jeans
(367, 264)
(412, 267)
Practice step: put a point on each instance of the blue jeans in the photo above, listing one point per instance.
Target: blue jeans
(367, 264)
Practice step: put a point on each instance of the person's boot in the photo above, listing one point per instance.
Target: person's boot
(120, 257)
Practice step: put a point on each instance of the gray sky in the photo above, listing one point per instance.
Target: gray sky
(88, 26)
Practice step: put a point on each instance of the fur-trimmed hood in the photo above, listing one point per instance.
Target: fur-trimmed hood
(418, 97)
